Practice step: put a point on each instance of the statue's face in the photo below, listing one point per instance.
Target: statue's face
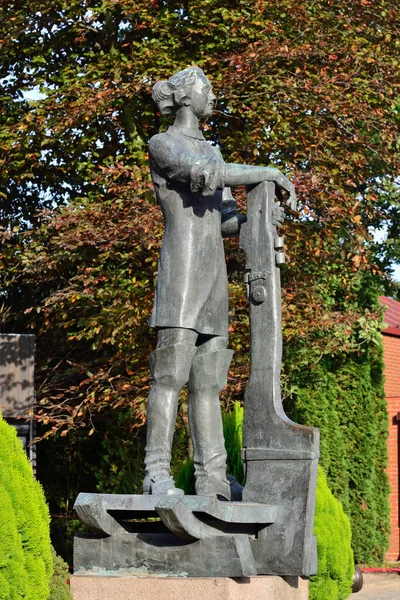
(202, 98)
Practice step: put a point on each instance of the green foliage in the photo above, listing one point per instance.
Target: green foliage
(82, 277)
(345, 399)
(233, 428)
(13, 577)
(119, 466)
(233, 434)
(25, 557)
(109, 461)
(335, 556)
(184, 478)
(59, 588)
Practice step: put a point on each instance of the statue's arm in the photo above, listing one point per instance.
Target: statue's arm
(231, 220)
(171, 158)
(203, 173)
(251, 175)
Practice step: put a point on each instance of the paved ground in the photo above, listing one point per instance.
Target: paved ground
(379, 586)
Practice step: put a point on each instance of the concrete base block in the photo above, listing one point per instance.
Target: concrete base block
(196, 588)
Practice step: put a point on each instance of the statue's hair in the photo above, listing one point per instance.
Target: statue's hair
(169, 95)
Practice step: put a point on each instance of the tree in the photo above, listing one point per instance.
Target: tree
(320, 105)
(309, 87)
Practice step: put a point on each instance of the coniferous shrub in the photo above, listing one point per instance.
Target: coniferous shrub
(25, 555)
(335, 556)
(345, 399)
(13, 576)
(59, 588)
(233, 434)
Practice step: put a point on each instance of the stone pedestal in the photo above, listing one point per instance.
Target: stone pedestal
(195, 588)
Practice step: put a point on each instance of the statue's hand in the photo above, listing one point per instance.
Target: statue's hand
(278, 214)
(291, 197)
(286, 189)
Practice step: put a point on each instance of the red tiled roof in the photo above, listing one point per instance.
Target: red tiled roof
(391, 317)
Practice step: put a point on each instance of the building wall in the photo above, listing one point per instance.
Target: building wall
(391, 345)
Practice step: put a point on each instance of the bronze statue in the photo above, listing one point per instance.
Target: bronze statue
(190, 314)
(268, 530)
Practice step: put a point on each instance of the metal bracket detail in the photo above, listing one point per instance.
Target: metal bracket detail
(253, 276)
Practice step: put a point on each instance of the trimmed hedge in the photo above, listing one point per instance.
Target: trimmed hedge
(346, 400)
(26, 564)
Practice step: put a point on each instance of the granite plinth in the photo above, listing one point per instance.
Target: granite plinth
(195, 588)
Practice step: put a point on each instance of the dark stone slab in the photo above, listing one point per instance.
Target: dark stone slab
(163, 554)
(17, 356)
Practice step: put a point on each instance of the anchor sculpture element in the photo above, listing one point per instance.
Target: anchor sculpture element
(281, 457)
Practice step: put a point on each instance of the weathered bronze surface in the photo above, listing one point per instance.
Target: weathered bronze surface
(268, 529)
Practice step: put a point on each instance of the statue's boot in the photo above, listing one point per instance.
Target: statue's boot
(170, 367)
(207, 379)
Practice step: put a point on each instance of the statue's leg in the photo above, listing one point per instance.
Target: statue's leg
(206, 381)
(170, 364)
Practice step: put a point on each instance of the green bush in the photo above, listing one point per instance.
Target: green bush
(184, 478)
(25, 553)
(345, 399)
(233, 433)
(233, 429)
(59, 588)
(335, 556)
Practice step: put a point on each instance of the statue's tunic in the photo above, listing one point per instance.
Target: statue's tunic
(192, 285)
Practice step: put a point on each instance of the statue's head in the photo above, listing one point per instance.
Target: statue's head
(189, 87)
